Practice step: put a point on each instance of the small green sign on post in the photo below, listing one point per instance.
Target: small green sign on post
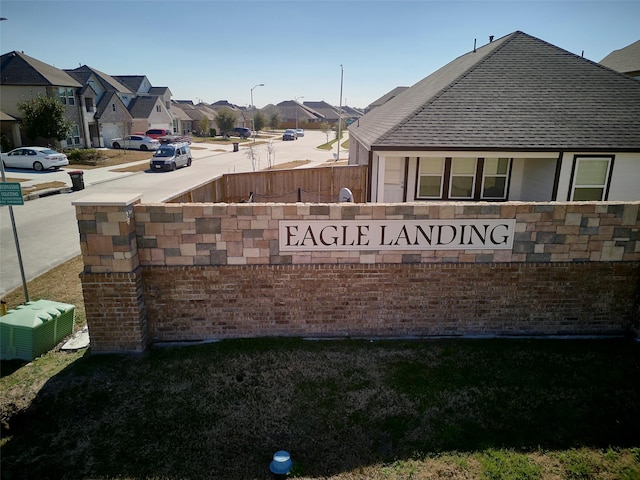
(11, 194)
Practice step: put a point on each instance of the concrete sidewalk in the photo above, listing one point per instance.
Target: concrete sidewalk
(48, 227)
(95, 176)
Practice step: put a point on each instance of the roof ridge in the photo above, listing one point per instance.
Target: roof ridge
(505, 40)
(35, 67)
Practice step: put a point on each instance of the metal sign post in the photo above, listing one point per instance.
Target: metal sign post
(11, 194)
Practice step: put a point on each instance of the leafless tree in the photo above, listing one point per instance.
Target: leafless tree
(254, 157)
(271, 154)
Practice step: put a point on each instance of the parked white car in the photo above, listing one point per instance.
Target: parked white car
(37, 158)
(136, 142)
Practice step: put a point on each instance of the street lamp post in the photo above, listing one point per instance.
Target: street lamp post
(295, 100)
(253, 123)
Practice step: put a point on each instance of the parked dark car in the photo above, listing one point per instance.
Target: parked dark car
(241, 132)
(290, 134)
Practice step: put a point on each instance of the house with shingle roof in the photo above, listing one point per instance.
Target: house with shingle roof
(184, 121)
(23, 77)
(106, 115)
(149, 111)
(293, 114)
(516, 119)
(329, 112)
(158, 117)
(191, 116)
(625, 60)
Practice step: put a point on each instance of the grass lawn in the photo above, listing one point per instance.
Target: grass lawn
(344, 409)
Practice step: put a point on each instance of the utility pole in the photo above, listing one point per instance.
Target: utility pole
(340, 113)
(295, 100)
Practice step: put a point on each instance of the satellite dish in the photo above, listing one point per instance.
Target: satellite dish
(345, 195)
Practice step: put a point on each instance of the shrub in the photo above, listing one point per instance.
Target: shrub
(88, 156)
(5, 143)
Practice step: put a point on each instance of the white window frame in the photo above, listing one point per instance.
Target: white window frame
(420, 175)
(466, 175)
(496, 175)
(580, 159)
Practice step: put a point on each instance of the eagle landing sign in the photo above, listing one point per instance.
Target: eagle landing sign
(472, 234)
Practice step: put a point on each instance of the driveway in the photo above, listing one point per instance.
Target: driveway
(47, 228)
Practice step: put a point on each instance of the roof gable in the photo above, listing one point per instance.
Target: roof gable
(160, 91)
(109, 83)
(106, 101)
(517, 92)
(135, 83)
(142, 106)
(20, 69)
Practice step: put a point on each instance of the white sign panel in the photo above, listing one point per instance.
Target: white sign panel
(325, 235)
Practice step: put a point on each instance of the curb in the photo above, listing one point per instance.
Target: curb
(46, 193)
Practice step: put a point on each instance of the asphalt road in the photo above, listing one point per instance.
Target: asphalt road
(46, 227)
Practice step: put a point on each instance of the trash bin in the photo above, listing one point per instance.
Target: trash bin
(235, 146)
(77, 180)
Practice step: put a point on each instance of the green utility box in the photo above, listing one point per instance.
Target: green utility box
(34, 328)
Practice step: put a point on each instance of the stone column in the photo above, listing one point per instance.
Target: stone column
(112, 279)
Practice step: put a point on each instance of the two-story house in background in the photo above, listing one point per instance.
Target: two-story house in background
(100, 106)
(23, 78)
(110, 118)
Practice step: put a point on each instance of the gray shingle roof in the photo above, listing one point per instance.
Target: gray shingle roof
(19, 69)
(329, 112)
(84, 72)
(624, 60)
(142, 106)
(288, 108)
(132, 82)
(517, 92)
(386, 97)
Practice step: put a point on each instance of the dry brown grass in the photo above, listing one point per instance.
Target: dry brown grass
(114, 157)
(61, 284)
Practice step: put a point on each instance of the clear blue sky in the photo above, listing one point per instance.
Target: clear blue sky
(209, 50)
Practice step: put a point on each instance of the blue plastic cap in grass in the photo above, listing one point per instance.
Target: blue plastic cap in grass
(281, 464)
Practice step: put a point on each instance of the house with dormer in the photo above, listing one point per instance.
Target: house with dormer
(110, 117)
(159, 112)
(517, 119)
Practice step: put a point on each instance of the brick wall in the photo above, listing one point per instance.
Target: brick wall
(192, 303)
(115, 309)
(203, 271)
(247, 234)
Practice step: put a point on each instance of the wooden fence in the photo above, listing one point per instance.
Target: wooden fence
(309, 185)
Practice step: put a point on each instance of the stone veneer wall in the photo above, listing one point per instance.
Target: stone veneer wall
(202, 271)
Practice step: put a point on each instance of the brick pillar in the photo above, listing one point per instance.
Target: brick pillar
(112, 280)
